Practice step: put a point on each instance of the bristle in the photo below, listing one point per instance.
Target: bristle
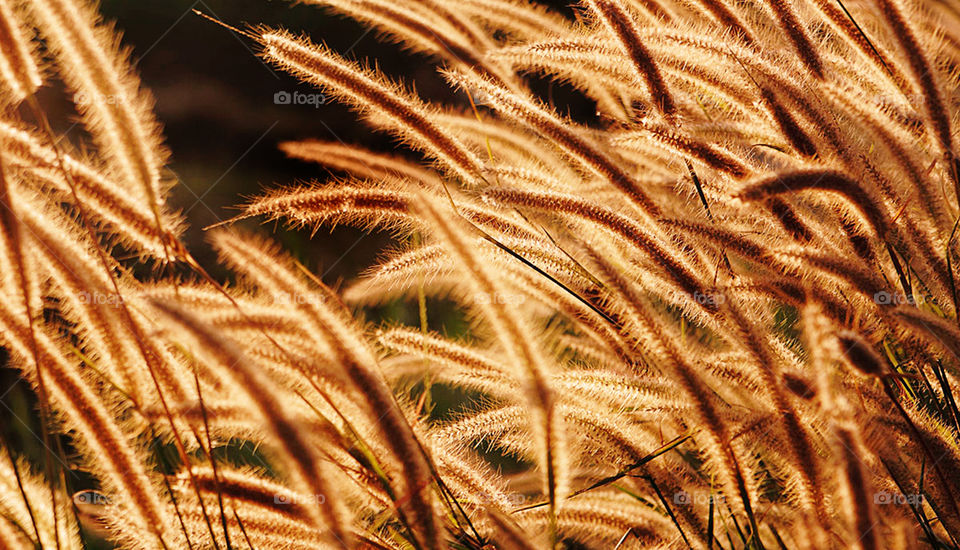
(407, 117)
(922, 72)
(789, 22)
(18, 70)
(515, 338)
(861, 500)
(306, 467)
(109, 97)
(620, 25)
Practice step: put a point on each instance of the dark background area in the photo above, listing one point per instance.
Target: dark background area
(215, 98)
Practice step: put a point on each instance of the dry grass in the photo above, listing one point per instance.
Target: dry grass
(721, 314)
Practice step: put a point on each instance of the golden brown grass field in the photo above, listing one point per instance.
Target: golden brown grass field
(719, 312)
